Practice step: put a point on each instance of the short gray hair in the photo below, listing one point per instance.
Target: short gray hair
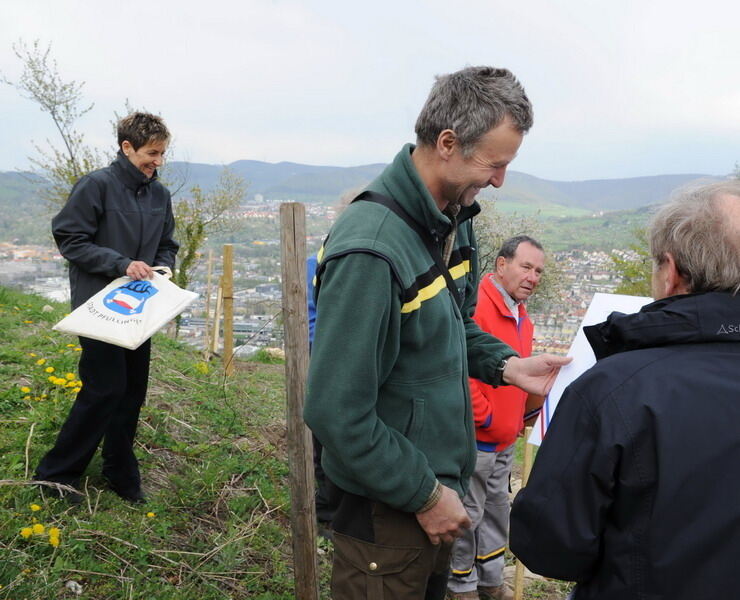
(696, 230)
(509, 247)
(471, 102)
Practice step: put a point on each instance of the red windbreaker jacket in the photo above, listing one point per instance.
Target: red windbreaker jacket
(499, 412)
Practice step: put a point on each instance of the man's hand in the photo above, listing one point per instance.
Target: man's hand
(446, 520)
(138, 269)
(535, 374)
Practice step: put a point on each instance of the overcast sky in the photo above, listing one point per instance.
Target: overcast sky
(620, 89)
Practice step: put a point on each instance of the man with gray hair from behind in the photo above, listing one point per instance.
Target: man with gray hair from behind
(633, 493)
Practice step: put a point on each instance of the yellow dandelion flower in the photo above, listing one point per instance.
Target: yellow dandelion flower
(151, 515)
(40, 361)
(31, 354)
(70, 376)
(51, 379)
(202, 368)
(70, 383)
(49, 369)
(26, 397)
(76, 390)
(54, 536)
(25, 389)
(78, 349)
(27, 322)
(34, 507)
(38, 528)
(26, 533)
(70, 345)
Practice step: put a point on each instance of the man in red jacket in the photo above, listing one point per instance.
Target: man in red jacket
(478, 556)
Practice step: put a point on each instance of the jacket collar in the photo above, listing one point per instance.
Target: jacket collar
(131, 177)
(489, 288)
(406, 186)
(685, 319)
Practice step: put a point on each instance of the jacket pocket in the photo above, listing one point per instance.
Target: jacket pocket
(416, 424)
(373, 571)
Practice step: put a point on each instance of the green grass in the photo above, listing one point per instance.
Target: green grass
(605, 232)
(212, 454)
(539, 210)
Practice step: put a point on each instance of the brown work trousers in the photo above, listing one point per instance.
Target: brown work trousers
(383, 554)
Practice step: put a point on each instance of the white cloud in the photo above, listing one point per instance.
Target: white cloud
(619, 89)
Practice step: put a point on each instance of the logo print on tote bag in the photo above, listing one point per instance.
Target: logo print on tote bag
(129, 299)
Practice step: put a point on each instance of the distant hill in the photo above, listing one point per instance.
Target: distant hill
(286, 180)
(22, 215)
(635, 192)
(597, 194)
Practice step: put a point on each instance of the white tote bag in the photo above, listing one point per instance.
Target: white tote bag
(126, 313)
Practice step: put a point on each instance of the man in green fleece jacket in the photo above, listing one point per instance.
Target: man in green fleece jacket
(388, 381)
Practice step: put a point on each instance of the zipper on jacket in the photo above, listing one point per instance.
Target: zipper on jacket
(138, 195)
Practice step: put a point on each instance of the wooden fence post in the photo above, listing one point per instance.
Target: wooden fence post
(526, 468)
(228, 299)
(207, 320)
(300, 451)
(217, 317)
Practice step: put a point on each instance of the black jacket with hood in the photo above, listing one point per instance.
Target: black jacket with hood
(113, 216)
(634, 492)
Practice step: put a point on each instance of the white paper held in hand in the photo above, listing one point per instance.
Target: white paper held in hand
(602, 305)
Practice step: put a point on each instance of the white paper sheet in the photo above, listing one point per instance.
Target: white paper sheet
(602, 305)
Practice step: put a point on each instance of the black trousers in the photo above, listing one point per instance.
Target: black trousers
(114, 384)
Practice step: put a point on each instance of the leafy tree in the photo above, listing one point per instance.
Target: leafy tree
(635, 273)
(203, 214)
(59, 166)
(198, 216)
(492, 228)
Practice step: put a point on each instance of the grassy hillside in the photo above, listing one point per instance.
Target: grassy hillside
(603, 232)
(213, 459)
(212, 454)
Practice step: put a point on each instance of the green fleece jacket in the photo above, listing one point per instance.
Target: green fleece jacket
(388, 393)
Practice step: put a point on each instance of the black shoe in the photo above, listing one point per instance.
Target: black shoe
(133, 495)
